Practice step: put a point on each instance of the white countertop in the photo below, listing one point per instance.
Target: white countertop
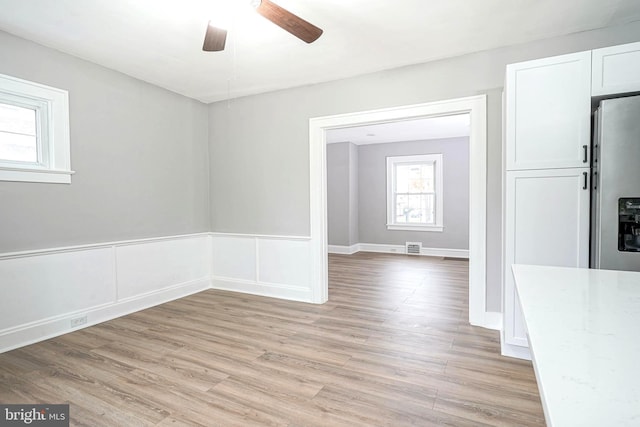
(584, 336)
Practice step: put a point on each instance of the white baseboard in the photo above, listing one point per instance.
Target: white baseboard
(293, 293)
(344, 250)
(60, 325)
(516, 351)
(445, 253)
(378, 248)
(399, 249)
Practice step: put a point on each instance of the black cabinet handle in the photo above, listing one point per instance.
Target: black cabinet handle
(585, 180)
(584, 160)
(595, 180)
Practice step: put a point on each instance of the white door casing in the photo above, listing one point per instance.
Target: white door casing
(476, 107)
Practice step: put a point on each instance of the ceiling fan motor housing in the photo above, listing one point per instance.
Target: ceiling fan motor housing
(215, 38)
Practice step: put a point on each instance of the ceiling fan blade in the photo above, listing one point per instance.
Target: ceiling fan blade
(214, 39)
(288, 21)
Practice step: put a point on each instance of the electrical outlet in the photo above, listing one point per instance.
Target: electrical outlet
(77, 321)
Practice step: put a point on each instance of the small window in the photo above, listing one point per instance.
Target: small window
(34, 132)
(414, 193)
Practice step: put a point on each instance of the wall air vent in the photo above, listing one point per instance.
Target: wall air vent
(413, 248)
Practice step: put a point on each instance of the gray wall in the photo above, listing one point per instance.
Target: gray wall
(373, 193)
(338, 201)
(140, 154)
(354, 190)
(261, 142)
(342, 194)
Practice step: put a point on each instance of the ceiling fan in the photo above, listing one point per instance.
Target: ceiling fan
(215, 38)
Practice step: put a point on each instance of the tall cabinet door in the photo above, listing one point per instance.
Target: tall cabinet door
(547, 223)
(548, 112)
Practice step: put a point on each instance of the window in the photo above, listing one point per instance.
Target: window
(414, 193)
(34, 132)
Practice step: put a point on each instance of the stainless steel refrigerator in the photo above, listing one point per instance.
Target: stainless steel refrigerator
(615, 198)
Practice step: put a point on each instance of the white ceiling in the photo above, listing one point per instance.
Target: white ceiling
(407, 130)
(160, 41)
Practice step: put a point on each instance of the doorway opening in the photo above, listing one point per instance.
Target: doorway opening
(476, 108)
(400, 187)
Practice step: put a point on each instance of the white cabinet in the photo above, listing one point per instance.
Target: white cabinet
(547, 149)
(548, 121)
(546, 161)
(546, 223)
(616, 70)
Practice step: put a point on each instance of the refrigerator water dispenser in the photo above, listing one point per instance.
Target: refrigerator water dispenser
(629, 224)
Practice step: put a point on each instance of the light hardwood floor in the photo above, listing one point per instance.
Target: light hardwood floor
(392, 347)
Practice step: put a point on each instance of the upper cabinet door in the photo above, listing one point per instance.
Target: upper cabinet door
(549, 113)
(616, 69)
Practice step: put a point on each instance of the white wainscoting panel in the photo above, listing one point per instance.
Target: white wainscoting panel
(45, 292)
(149, 266)
(45, 286)
(273, 266)
(284, 262)
(234, 257)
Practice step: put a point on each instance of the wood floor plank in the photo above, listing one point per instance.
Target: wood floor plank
(376, 411)
(497, 414)
(392, 347)
(106, 401)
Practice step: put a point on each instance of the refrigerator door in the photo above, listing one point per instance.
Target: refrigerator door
(616, 183)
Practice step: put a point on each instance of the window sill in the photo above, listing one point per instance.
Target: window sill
(405, 227)
(55, 176)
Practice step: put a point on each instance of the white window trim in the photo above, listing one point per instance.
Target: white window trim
(56, 167)
(439, 192)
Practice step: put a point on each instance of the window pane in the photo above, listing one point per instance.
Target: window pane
(415, 209)
(417, 178)
(18, 148)
(427, 175)
(16, 119)
(402, 179)
(18, 134)
(402, 209)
